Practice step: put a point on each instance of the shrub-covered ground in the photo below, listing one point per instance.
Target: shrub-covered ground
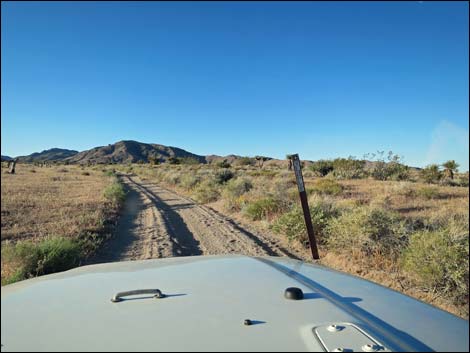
(54, 217)
(404, 231)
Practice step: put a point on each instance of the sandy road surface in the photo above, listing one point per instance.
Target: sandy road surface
(157, 222)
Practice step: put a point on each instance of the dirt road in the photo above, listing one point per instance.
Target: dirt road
(157, 222)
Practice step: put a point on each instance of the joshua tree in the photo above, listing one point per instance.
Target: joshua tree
(261, 160)
(450, 167)
(289, 158)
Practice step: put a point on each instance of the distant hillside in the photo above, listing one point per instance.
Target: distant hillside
(6, 158)
(53, 154)
(131, 152)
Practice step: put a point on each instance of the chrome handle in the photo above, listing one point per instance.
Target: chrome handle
(156, 294)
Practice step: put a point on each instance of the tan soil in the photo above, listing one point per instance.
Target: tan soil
(157, 222)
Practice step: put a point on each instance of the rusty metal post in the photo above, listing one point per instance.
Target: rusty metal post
(303, 200)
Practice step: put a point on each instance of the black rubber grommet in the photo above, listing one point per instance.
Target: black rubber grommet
(294, 293)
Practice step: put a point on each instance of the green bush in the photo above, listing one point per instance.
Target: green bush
(349, 168)
(206, 192)
(326, 187)
(390, 171)
(462, 179)
(431, 174)
(368, 229)
(245, 161)
(440, 261)
(189, 160)
(172, 178)
(261, 209)
(237, 187)
(109, 173)
(174, 160)
(115, 193)
(292, 223)
(189, 181)
(224, 164)
(223, 176)
(322, 167)
(35, 259)
(233, 192)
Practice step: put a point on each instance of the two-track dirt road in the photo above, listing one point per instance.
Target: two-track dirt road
(157, 223)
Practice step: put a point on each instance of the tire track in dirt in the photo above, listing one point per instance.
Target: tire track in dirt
(157, 222)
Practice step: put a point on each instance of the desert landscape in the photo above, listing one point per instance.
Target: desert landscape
(405, 228)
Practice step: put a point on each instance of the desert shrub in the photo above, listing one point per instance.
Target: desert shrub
(349, 168)
(189, 161)
(439, 260)
(462, 179)
(403, 188)
(224, 164)
(109, 173)
(390, 171)
(174, 160)
(223, 176)
(243, 161)
(388, 168)
(34, 259)
(237, 187)
(261, 209)
(326, 187)
(431, 174)
(266, 173)
(189, 181)
(367, 229)
(322, 167)
(233, 193)
(205, 192)
(427, 192)
(172, 178)
(292, 223)
(115, 193)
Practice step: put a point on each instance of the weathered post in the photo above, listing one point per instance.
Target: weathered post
(12, 166)
(303, 200)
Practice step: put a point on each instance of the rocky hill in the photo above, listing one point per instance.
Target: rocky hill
(131, 152)
(53, 154)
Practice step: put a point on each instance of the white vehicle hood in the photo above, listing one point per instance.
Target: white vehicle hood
(208, 300)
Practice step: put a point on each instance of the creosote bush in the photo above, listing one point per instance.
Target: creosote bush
(35, 259)
(439, 259)
(262, 209)
(206, 192)
(292, 223)
(223, 176)
(326, 186)
(115, 193)
(367, 229)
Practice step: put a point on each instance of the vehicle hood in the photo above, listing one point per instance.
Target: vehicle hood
(208, 298)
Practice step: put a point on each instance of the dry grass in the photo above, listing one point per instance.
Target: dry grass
(50, 202)
(61, 201)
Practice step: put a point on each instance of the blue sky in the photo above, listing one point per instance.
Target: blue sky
(322, 79)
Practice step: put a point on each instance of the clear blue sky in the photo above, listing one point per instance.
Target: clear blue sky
(323, 79)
